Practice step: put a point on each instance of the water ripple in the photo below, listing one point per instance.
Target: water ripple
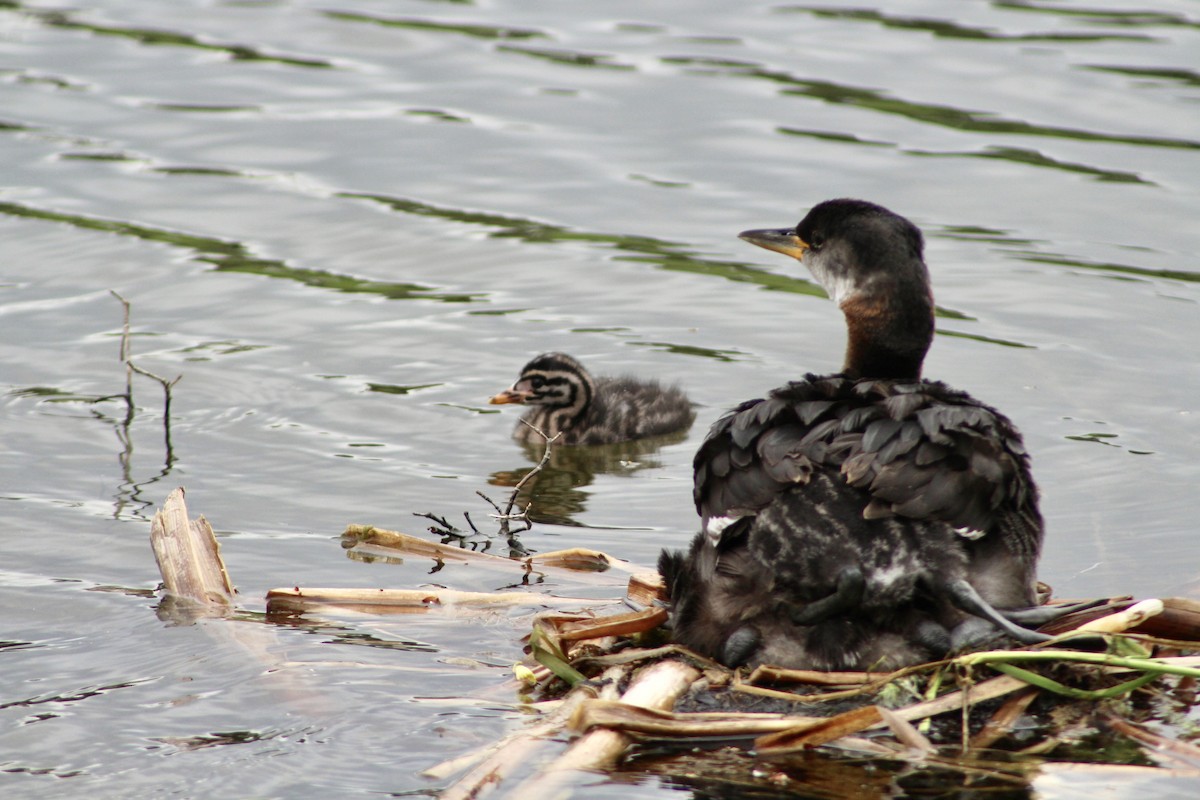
(156, 37)
(570, 58)
(226, 256)
(1105, 16)
(473, 30)
(953, 30)
(948, 116)
(1034, 158)
(1167, 74)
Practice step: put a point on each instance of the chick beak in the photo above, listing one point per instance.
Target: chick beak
(512, 395)
(781, 240)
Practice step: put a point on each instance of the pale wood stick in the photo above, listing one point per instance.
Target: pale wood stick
(1122, 621)
(621, 716)
(829, 729)
(517, 750)
(657, 686)
(769, 674)
(806, 734)
(189, 557)
(905, 733)
(615, 625)
(580, 562)
(988, 690)
(380, 600)
(581, 558)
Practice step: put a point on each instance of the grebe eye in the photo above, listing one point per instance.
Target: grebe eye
(816, 239)
(536, 381)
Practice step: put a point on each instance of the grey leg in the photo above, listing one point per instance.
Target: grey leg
(964, 596)
(1040, 615)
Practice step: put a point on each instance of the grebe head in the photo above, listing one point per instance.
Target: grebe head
(555, 380)
(870, 261)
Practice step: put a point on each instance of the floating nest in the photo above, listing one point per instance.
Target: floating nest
(1001, 718)
(1113, 700)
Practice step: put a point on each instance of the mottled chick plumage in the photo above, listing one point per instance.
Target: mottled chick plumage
(564, 398)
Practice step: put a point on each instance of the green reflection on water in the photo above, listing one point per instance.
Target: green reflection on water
(1033, 158)
(1103, 16)
(663, 254)
(218, 172)
(1019, 155)
(1184, 76)
(957, 118)
(1119, 269)
(436, 114)
(952, 30)
(153, 36)
(466, 29)
(832, 136)
(200, 108)
(568, 57)
(390, 388)
(986, 339)
(643, 249)
(978, 233)
(102, 156)
(235, 257)
(944, 116)
(50, 394)
(691, 350)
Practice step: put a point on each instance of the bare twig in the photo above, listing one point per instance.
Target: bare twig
(549, 441)
(504, 516)
(131, 368)
(445, 528)
(123, 426)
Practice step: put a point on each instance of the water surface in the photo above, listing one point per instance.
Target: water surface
(346, 225)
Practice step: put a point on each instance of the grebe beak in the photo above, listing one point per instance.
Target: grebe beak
(781, 240)
(509, 396)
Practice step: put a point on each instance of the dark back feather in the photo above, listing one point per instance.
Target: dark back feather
(915, 450)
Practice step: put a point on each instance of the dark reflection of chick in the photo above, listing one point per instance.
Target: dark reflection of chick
(555, 491)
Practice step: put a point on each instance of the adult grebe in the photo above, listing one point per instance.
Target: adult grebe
(859, 519)
(566, 399)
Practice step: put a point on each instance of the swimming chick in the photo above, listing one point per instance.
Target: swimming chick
(858, 519)
(566, 399)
